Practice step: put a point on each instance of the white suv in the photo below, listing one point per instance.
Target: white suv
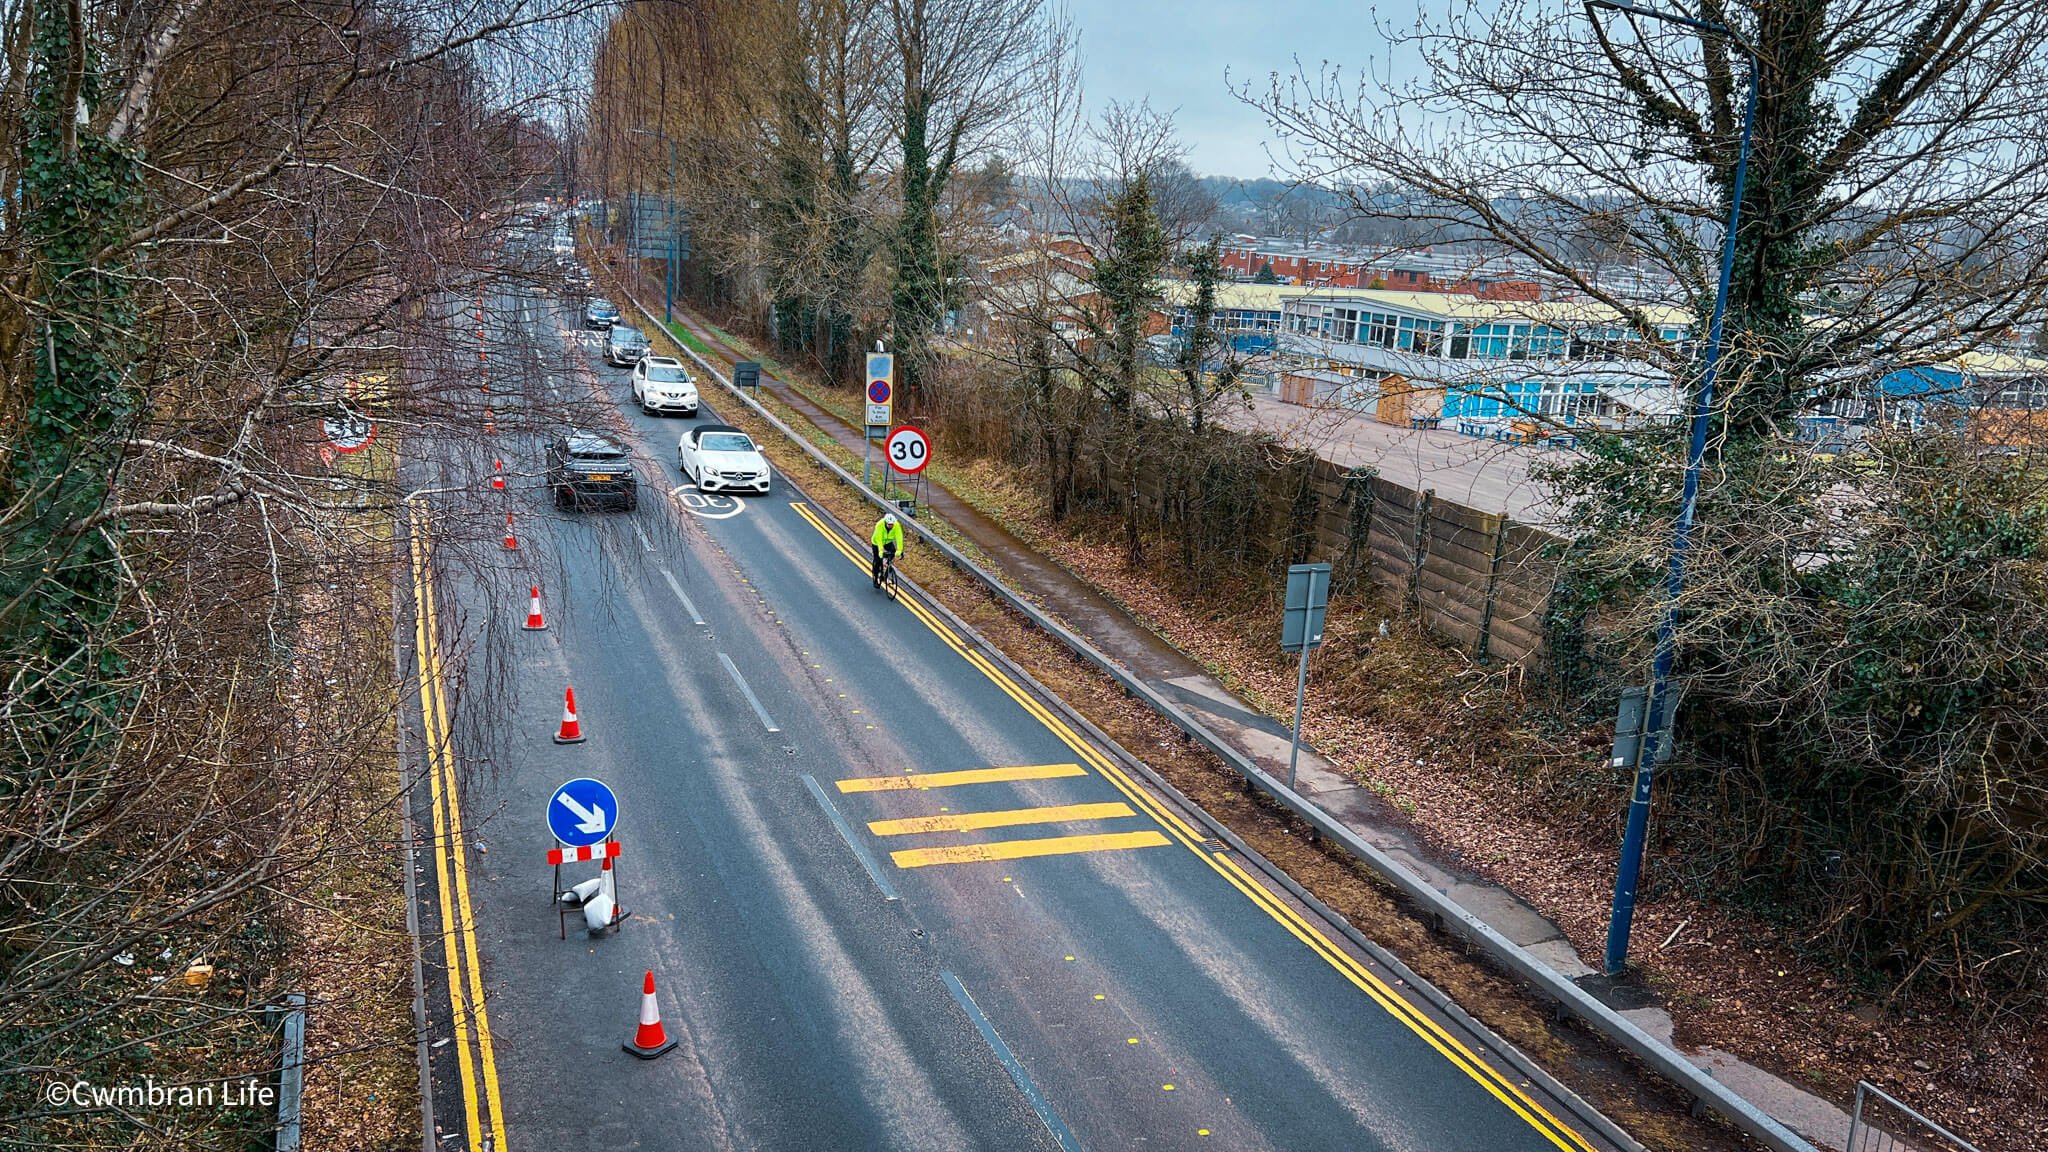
(662, 384)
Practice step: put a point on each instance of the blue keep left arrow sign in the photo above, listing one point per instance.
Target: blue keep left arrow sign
(583, 811)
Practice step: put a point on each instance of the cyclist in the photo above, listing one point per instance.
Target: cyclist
(886, 542)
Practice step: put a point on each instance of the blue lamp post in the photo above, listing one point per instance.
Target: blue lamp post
(1623, 913)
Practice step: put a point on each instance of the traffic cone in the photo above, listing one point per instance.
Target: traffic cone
(652, 1039)
(572, 732)
(511, 541)
(498, 474)
(601, 910)
(533, 621)
(580, 894)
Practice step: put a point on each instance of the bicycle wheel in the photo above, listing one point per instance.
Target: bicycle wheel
(889, 582)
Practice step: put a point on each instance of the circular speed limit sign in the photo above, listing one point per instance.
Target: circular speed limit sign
(909, 451)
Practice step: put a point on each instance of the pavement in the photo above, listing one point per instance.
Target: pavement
(890, 898)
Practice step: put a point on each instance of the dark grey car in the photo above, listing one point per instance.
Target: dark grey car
(585, 467)
(625, 348)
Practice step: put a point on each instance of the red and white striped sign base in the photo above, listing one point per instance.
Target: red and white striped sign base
(587, 852)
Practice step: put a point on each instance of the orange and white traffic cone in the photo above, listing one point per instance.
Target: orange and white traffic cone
(498, 474)
(652, 1039)
(572, 731)
(601, 911)
(533, 621)
(511, 541)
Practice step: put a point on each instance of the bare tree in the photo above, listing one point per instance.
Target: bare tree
(1867, 730)
(234, 230)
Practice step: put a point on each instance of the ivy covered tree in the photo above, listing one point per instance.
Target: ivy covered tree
(81, 192)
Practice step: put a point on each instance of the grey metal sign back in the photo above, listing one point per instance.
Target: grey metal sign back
(1308, 595)
(652, 224)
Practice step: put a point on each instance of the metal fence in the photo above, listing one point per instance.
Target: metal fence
(1883, 1124)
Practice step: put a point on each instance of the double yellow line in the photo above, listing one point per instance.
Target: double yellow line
(1398, 1006)
(458, 925)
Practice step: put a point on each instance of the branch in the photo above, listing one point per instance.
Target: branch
(135, 103)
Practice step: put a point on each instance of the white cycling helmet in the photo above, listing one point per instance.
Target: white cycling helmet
(889, 519)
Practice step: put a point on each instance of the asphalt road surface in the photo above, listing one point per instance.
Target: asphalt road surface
(890, 898)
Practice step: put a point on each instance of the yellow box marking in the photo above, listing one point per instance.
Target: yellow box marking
(970, 776)
(1020, 849)
(969, 821)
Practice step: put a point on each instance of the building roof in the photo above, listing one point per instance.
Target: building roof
(1253, 297)
(1478, 310)
(1985, 362)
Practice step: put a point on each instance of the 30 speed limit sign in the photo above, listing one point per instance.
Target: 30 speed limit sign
(908, 449)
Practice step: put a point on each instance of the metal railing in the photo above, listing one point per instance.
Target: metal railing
(1879, 1118)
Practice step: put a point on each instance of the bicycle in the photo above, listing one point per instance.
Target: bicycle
(886, 582)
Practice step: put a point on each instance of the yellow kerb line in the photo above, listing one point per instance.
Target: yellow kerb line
(972, 821)
(908, 783)
(456, 916)
(1363, 978)
(1429, 1030)
(1021, 849)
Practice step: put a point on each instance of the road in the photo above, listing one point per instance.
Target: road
(891, 898)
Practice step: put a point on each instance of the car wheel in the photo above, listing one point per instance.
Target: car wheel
(691, 414)
(561, 498)
(632, 499)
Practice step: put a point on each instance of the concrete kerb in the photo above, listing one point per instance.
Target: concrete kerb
(1569, 997)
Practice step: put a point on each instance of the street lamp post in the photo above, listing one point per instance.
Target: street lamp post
(1623, 913)
(668, 280)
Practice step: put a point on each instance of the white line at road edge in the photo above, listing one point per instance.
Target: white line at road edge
(696, 617)
(846, 833)
(742, 682)
(1032, 1095)
(644, 541)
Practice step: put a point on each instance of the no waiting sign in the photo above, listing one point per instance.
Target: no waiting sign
(909, 451)
(881, 386)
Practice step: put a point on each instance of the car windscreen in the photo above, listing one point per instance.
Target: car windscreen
(661, 375)
(596, 452)
(627, 337)
(602, 306)
(725, 442)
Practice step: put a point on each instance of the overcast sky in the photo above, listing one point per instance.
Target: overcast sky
(1177, 54)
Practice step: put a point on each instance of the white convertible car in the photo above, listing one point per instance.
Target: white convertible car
(721, 458)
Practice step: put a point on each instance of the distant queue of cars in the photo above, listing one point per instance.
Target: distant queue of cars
(584, 466)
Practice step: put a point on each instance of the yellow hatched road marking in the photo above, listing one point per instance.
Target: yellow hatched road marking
(970, 821)
(1431, 1032)
(910, 783)
(1021, 849)
(457, 920)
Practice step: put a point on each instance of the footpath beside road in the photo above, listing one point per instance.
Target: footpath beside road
(1265, 741)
